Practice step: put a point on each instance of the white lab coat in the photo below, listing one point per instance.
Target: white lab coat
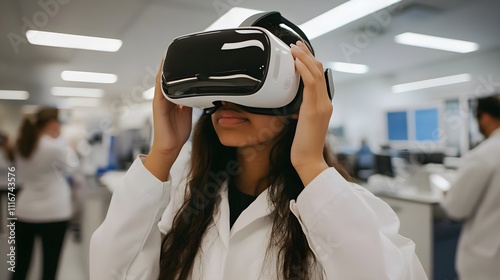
(475, 197)
(354, 235)
(45, 194)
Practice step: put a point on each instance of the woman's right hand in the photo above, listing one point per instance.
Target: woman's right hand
(171, 130)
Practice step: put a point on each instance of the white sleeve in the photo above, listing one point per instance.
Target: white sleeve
(127, 244)
(466, 191)
(353, 234)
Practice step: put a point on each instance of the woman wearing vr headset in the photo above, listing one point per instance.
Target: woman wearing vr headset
(264, 199)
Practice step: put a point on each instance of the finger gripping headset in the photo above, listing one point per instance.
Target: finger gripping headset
(248, 66)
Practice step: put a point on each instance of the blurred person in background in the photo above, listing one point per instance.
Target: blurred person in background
(475, 198)
(44, 202)
(364, 161)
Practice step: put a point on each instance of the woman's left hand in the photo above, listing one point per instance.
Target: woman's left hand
(314, 116)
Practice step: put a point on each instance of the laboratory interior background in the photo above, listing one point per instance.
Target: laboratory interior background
(402, 117)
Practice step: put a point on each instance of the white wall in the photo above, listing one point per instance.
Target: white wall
(135, 116)
(360, 106)
(10, 118)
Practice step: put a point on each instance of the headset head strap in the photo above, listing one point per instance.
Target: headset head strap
(275, 19)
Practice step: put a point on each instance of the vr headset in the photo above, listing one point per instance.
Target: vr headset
(248, 66)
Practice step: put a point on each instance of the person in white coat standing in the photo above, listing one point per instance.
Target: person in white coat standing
(475, 197)
(264, 199)
(43, 205)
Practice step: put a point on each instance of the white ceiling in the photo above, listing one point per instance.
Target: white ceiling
(146, 28)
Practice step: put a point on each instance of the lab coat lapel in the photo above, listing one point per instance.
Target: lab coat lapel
(258, 209)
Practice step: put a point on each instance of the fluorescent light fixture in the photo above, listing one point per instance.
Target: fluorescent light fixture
(14, 94)
(149, 94)
(79, 102)
(443, 81)
(77, 92)
(349, 67)
(433, 42)
(342, 15)
(61, 40)
(89, 77)
(232, 18)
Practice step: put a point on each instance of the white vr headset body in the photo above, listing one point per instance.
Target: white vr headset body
(277, 86)
(248, 66)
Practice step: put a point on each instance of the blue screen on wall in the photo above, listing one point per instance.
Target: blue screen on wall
(397, 125)
(426, 125)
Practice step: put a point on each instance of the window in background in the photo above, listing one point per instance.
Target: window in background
(397, 126)
(427, 125)
(475, 136)
(453, 126)
(413, 125)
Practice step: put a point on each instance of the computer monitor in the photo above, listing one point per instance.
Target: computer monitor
(434, 157)
(383, 165)
(420, 158)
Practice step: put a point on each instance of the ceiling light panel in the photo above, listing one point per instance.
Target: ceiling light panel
(72, 41)
(443, 81)
(14, 94)
(89, 77)
(433, 42)
(349, 67)
(342, 15)
(77, 92)
(73, 102)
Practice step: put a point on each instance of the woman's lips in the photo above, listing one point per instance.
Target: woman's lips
(229, 117)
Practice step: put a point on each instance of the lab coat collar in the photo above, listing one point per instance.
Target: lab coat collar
(257, 209)
(495, 133)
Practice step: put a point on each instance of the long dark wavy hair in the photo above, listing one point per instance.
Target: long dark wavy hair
(181, 244)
